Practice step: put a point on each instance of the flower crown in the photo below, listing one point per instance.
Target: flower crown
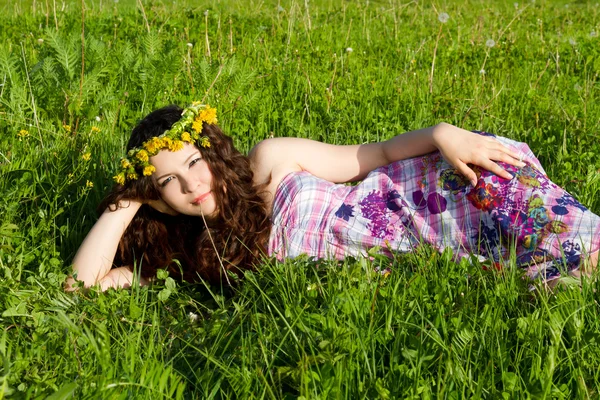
(139, 158)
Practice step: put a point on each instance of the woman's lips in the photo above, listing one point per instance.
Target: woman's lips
(200, 198)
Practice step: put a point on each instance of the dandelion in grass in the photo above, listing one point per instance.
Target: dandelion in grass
(86, 156)
(67, 128)
(95, 129)
(443, 17)
(490, 43)
(23, 134)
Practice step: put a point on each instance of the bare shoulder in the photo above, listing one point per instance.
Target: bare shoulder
(271, 162)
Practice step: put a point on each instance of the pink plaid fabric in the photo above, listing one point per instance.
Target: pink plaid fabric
(424, 200)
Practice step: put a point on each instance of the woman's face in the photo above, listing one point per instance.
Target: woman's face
(185, 181)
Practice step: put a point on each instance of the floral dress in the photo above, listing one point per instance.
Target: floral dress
(425, 200)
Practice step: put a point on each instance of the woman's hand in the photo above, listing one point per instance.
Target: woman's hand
(460, 147)
(160, 205)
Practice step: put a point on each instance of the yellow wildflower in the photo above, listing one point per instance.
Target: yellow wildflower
(153, 145)
(86, 156)
(125, 163)
(204, 142)
(132, 176)
(89, 184)
(176, 145)
(186, 137)
(67, 128)
(148, 170)
(23, 133)
(142, 155)
(197, 124)
(120, 179)
(95, 129)
(209, 114)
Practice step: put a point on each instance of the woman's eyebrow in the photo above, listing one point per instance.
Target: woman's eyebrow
(185, 162)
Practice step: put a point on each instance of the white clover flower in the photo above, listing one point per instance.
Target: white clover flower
(97, 118)
(190, 45)
(443, 17)
(40, 41)
(572, 41)
(593, 34)
(349, 50)
(193, 317)
(516, 5)
(482, 71)
(280, 9)
(490, 43)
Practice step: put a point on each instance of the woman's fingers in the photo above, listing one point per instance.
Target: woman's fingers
(467, 172)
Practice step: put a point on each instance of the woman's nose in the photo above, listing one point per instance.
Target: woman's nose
(188, 183)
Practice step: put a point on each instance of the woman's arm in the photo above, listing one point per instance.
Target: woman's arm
(274, 158)
(95, 256)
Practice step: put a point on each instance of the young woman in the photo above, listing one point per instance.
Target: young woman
(188, 201)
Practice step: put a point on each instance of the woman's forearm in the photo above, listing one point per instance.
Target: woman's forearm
(95, 256)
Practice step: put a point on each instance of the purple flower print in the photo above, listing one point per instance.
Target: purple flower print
(565, 201)
(345, 212)
(391, 204)
(374, 208)
(436, 203)
(419, 199)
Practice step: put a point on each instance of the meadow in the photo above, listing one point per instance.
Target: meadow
(76, 76)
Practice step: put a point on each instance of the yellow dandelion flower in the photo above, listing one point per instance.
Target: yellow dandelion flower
(148, 170)
(209, 114)
(186, 137)
(197, 124)
(166, 142)
(125, 163)
(67, 128)
(95, 129)
(153, 145)
(120, 179)
(89, 184)
(142, 155)
(86, 156)
(204, 142)
(176, 145)
(23, 133)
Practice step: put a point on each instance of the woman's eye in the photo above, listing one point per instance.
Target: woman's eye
(164, 183)
(194, 161)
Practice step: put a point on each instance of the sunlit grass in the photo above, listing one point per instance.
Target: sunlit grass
(337, 71)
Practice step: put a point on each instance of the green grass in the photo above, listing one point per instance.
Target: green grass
(432, 329)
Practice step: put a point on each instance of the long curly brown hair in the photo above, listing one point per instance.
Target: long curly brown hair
(230, 243)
